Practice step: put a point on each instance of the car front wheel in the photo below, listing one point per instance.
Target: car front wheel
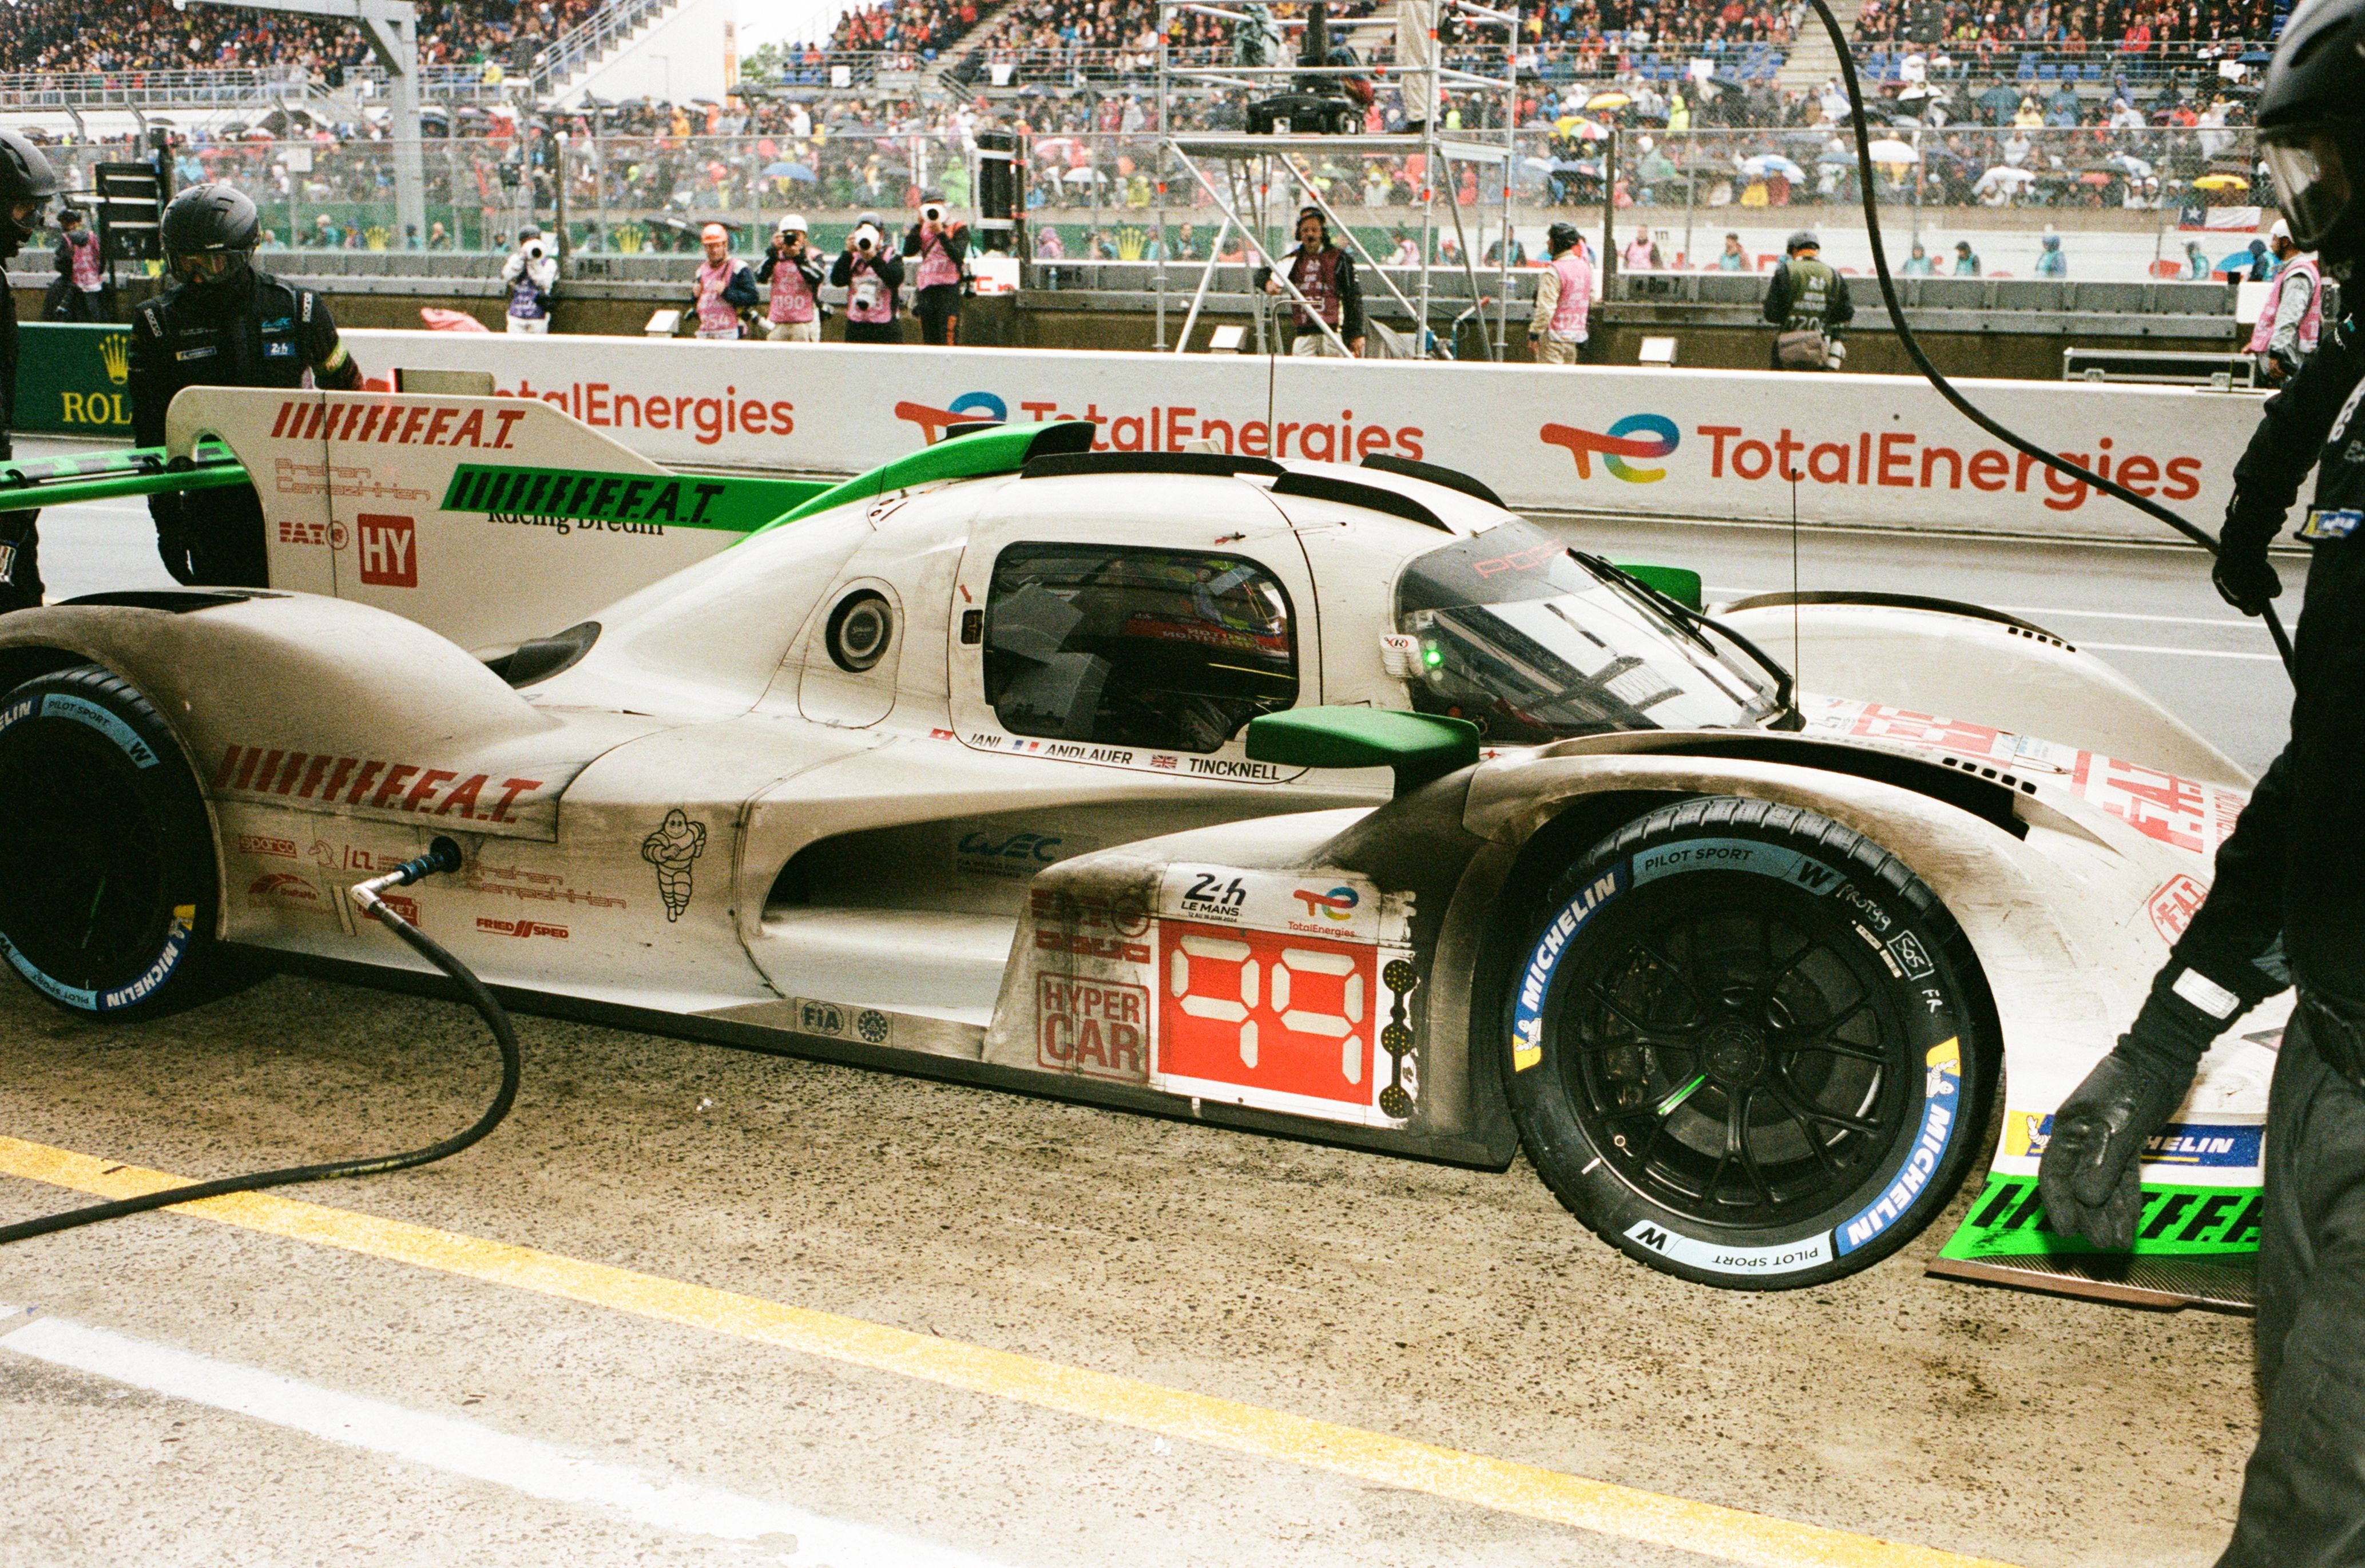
(107, 883)
(1748, 1046)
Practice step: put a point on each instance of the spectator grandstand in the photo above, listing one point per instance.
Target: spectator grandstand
(55, 36)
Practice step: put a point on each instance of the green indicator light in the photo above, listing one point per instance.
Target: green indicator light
(1667, 1105)
(1433, 656)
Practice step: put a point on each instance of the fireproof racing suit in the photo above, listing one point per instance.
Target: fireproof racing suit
(21, 546)
(2293, 873)
(249, 331)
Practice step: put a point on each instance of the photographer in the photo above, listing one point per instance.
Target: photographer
(873, 280)
(794, 272)
(942, 247)
(722, 288)
(77, 294)
(531, 275)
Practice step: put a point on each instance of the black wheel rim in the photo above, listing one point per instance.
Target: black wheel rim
(83, 891)
(1735, 1051)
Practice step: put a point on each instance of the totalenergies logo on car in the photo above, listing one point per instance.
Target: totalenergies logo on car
(1636, 435)
(970, 407)
(1338, 905)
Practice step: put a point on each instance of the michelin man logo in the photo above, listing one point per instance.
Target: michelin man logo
(673, 850)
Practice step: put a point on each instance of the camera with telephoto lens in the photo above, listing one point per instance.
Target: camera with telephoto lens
(865, 239)
(933, 213)
(534, 250)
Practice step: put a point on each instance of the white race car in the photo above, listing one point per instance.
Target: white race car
(1335, 803)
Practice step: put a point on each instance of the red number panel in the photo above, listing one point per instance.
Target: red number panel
(1258, 1010)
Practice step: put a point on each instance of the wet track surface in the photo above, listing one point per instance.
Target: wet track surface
(580, 1419)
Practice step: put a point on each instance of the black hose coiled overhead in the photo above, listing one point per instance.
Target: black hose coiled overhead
(442, 856)
(1946, 388)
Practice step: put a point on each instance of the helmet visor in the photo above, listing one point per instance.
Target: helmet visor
(2313, 180)
(207, 266)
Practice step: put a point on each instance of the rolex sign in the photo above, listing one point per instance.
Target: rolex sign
(74, 379)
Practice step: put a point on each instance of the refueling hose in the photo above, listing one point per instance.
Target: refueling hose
(443, 855)
(1946, 388)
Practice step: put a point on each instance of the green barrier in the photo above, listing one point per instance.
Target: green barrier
(73, 378)
(2007, 1221)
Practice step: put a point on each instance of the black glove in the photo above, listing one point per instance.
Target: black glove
(174, 537)
(2244, 580)
(2088, 1175)
(2241, 577)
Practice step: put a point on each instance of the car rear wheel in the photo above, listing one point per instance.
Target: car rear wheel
(1748, 1046)
(107, 883)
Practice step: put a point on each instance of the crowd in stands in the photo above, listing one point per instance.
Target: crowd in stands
(918, 27)
(151, 35)
(2100, 29)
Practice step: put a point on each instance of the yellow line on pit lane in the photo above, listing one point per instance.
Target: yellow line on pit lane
(1705, 1529)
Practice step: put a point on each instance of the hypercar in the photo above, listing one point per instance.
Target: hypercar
(1326, 801)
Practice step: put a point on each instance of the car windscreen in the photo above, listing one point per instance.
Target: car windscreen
(1529, 643)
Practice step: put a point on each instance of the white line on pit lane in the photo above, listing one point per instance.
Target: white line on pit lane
(1728, 593)
(464, 1447)
(2177, 652)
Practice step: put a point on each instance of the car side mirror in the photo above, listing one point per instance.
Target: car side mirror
(1420, 747)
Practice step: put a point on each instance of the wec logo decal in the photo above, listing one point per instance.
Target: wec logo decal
(1636, 435)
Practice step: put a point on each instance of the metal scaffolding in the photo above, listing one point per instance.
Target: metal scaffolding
(1242, 172)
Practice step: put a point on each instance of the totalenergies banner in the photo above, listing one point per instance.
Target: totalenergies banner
(1719, 445)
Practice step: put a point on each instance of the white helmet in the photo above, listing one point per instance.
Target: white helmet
(794, 223)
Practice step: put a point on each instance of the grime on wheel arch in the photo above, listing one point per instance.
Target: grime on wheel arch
(107, 899)
(1748, 1046)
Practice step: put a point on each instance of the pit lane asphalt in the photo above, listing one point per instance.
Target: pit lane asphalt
(1458, 1308)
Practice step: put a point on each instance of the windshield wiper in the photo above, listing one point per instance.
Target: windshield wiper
(1692, 624)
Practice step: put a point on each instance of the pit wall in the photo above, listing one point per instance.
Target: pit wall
(1868, 451)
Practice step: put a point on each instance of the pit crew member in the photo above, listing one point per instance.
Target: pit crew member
(222, 323)
(2289, 898)
(26, 183)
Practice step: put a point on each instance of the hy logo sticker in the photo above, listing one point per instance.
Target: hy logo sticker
(968, 409)
(1636, 435)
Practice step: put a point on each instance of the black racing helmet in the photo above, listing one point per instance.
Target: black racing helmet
(26, 175)
(210, 234)
(1561, 237)
(2311, 134)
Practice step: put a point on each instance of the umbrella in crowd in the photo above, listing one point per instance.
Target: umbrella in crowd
(2221, 183)
(2004, 177)
(1610, 100)
(1766, 166)
(1892, 150)
(785, 171)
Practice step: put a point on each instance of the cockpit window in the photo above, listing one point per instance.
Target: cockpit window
(1530, 645)
(1129, 646)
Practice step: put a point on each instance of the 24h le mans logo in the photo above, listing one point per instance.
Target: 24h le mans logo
(1636, 435)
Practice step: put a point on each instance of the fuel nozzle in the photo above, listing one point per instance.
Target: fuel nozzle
(442, 854)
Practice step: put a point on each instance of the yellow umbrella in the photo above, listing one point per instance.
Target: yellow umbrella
(1610, 100)
(2221, 183)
